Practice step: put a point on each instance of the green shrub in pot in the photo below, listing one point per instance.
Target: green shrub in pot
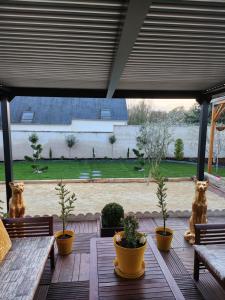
(112, 215)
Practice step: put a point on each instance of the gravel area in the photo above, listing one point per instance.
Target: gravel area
(41, 198)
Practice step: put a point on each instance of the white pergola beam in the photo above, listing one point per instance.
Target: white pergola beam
(136, 14)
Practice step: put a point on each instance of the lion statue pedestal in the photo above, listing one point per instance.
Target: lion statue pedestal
(199, 210)
(16, 202)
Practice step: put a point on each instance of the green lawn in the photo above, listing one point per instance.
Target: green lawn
(110, 169)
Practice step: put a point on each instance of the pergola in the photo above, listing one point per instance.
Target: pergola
(111, 48)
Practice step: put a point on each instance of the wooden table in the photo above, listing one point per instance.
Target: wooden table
(157, 282)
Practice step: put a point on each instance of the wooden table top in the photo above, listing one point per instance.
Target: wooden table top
(157, 282)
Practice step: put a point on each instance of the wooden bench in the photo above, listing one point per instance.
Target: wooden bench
(21, 270)
(210, 250)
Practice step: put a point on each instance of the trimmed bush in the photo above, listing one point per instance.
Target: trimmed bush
(128, 153)
(112, 214)
(179, 149)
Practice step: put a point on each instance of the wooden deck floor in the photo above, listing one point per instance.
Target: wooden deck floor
(70, 279)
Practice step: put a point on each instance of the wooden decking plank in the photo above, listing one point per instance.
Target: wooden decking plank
(132, 288)
(82, 227)
(55, 277)
(174, 223)
(76, 269)
(84, 267)
(98, 227)
(148, 296)
(86, 227)
(47, 274)
(186, 256)
(179, 241)
(41, 292)
(188, 287)
(82, 242)
(67, 267)
(216, 220)
(127, 283)
(210, 288)
(147, 225)
(174, 288)
(94, 270)
(69, 291)
(173, 262)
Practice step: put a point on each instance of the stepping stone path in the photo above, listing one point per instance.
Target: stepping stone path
(84, 175)
(96, 173)
(88, 175)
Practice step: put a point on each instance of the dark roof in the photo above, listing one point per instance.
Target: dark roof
(63, 110)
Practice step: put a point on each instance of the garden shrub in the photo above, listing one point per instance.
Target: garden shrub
(93, 153)
(128, 153)
(112, 214)
(50, 153)
(36, 154)
(179, 149)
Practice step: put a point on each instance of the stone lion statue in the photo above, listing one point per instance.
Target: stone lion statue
(199, 210)
(16, 202)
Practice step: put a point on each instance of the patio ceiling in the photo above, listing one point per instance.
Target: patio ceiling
(96, 47)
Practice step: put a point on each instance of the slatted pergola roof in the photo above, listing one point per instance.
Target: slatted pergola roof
(92, 47)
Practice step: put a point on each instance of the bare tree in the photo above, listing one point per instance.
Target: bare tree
(153, 140)
(139, 113)
(177, 115)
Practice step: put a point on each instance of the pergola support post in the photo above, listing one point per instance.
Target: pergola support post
(202, 139)
(211, 141)
(7, 144)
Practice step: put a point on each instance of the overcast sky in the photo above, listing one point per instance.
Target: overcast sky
(164, 104)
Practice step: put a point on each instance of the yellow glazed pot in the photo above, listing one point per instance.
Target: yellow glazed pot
(129, 262)
(163, 242)
(65, 246)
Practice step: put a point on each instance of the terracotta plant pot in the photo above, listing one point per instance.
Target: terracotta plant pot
(65, 245)
(129, 262)
(163, 241)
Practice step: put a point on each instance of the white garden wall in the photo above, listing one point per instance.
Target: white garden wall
(125, 135)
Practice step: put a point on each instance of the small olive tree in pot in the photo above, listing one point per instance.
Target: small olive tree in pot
(111, 219)
(164, 235)
(64, 237)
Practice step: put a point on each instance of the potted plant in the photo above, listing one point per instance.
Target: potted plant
(130, 247)
(111, 219)
(65, 238)
(164, 235)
